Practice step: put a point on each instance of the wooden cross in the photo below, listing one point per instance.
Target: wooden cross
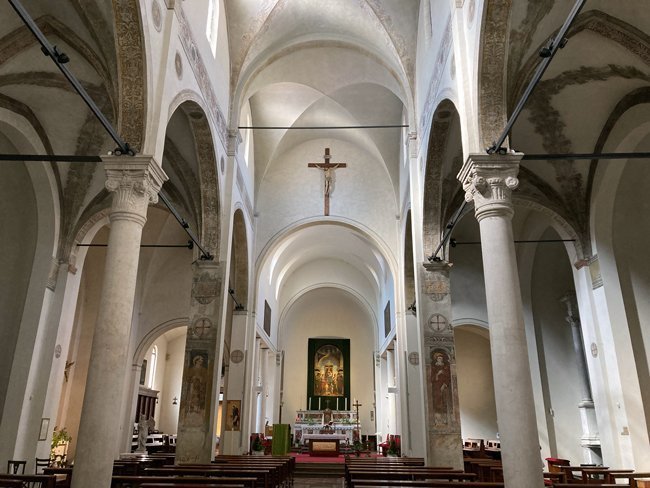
(327, 168)
(356, 405)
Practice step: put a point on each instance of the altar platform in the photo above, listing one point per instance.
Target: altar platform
(306, 458)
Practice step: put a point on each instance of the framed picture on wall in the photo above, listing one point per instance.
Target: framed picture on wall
(233, 415)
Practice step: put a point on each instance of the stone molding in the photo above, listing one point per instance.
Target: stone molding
(488, 181)
(135, 182)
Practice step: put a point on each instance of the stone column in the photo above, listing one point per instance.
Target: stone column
(234, 437)
(590, 439)
(444, 443)
(135, 183)
(488, 181)
(202, 369)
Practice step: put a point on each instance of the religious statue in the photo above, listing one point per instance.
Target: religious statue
(145, 424)
(328, 175)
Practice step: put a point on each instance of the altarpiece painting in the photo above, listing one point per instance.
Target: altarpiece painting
(328, 373)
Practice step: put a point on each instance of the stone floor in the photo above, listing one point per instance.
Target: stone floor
(318, 483)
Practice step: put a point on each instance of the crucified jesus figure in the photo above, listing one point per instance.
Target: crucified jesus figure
(328, 174)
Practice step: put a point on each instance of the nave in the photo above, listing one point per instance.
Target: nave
(314, 218)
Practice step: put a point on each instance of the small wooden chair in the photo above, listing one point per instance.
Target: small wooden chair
(41, 463)
(13, 466)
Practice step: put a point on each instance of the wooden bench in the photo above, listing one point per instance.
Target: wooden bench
(263, 475)
(432, 484)
(31, 480)
(138, 481)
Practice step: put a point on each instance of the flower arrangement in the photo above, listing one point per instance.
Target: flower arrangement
(59, 446)
(394, 448)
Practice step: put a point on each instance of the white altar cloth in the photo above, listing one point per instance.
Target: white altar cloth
(322, 437)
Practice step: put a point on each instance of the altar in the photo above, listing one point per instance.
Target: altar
(324, 425)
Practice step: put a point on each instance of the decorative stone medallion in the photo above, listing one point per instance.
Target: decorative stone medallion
(594, 349)
(414, 358)
(156, 15)
(438, 323)
(200, 327)
(178, 64)
(237, 356)
(57, 351)
(222, 165)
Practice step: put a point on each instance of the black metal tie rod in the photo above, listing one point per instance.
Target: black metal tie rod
(448, 230)
(189, 245)
(123, 148)
(318, 127)
(238, 306)
(575, 156)
(547, 54)
(60, 59)
(453, 242)
(204, 254)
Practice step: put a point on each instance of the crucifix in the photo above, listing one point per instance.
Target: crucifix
(328, 172)
(356, 405)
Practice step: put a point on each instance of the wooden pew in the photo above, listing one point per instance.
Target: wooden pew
(263, 474)
(588, 485)
(63, 476)
(369, 479)
(11, 483)
(403, 472)
(195, 481)
(433, 484)
(635, 480)
(31, 480)
(185, 485)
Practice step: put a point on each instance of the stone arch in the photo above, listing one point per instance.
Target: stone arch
(154, 333)
(409, 268)
(132, 69)
(440, 183)
(491, 87)
(239, 259)
(204, 178)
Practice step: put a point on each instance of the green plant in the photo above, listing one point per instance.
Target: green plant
(60, 439)
(257, 444)
(392, 447)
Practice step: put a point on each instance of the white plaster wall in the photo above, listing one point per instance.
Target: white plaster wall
(478, 415)
(291, 192)
(164, 275)
(17, 246)
(171, 385)
(82, 338)
(328, 312)
(551, 279)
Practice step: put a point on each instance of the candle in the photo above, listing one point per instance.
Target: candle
(309, 404)
(318, 403)
(346, 403)
(337, 403)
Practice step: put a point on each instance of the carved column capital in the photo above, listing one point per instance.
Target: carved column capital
(135, 182)
(438, 266)
(488, 181)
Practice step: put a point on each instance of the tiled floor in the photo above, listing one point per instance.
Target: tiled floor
(318, 483)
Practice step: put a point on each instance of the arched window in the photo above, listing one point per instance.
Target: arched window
(212, 25)
(152, 369)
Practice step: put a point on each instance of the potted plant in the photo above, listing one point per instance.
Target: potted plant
(257, 449)
(59, 447)
(357, 447)
(393, 448)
